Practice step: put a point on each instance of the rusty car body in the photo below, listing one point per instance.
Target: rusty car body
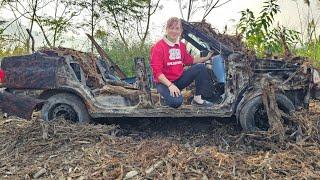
(60, 83)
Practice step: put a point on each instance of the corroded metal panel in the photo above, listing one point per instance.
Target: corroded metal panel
(36, 71)
(214, 44)
(142, 82)
(18, 105)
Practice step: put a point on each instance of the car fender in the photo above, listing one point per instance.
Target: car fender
(19, 105)
(246, 98)
(82, 93)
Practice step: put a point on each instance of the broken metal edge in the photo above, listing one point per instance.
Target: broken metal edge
(19, 105)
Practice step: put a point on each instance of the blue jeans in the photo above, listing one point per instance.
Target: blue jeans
(196, 72)
(218, 68)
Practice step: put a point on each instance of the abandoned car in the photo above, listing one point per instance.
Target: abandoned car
(81, 87)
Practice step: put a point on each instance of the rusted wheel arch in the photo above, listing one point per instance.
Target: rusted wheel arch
(67, 105)
(248, 109)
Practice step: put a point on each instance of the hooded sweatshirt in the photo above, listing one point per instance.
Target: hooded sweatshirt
(169, 59)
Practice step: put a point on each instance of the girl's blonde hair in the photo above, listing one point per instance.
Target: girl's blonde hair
(173, 21)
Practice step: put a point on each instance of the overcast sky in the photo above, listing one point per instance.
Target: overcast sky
(227, 15)
(219, 17)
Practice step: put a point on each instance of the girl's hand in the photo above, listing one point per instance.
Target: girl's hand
(174, 90)
(210, 54)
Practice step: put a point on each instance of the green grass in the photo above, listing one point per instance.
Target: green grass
(18, 50)
(311, 50)
(124, 57)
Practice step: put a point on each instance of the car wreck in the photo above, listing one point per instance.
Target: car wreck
(80, 86)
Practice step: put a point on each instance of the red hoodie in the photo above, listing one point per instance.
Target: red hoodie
(169, 60)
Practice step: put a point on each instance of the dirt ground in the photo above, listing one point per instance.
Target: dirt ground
(158, 149)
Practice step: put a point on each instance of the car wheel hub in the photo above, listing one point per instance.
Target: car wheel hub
(261, 119)
(65, 111)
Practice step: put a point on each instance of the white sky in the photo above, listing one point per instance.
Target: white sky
(228, 14)
(218, 18)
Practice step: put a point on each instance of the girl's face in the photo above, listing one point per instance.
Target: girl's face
(174, 31)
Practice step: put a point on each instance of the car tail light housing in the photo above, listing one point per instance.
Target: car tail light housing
(2, 76)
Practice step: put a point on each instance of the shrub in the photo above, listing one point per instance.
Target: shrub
(124, 56)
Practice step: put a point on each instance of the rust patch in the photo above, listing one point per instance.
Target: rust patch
(143, 84)
(34, 71)
(86, 60)
(271, 106)
(111, 64)
(21, 106)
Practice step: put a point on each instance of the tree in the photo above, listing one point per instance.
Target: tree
(199, 6)
(123, 14)
(118, 15)
(143, 31)
(91, 14)
(124, 18)
(20, 11)
(259, 33)
(308, 29)
(60, 22)
(309, 23)
(51, 26)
